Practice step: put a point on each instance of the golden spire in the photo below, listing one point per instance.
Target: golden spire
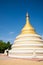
(28, 27)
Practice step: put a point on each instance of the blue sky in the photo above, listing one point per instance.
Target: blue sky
(13, 17)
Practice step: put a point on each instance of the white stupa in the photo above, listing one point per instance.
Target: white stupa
(28, 43)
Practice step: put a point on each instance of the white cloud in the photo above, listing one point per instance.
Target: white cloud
(11, 32)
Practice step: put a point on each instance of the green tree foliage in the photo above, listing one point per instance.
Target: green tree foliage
(8, 45)
(4, 46)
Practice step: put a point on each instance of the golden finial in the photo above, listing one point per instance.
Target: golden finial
(27, 18)
(27, 14)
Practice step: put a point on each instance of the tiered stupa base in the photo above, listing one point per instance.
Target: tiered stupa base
(28, 44)
(29, 54)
